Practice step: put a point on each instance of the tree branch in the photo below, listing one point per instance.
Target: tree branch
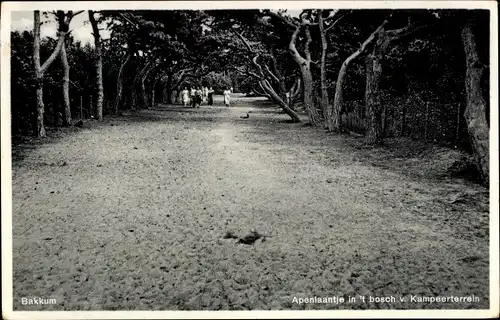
(54, 54)
(336, 21)
(245, 42)
(397, 34)
(288, 22)
(273, 76)
(366, 42)
(295, 53)
(128, 20)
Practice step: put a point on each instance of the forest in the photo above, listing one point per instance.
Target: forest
(380, 73)
(350, 158)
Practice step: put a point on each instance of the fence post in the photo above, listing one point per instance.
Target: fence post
(426, 129)
(81, 107)
(90, 105)
(403, 120)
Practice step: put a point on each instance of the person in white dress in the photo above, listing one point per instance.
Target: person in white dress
(192, 97)
(205, 95)
(227, 97)
(185, 97)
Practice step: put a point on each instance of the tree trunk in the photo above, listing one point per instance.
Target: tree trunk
(168, 87)
(119, 86)
(335, 110)
(279, 77)
(324, 100)
(40, 108)
(305, 69)
(267, 87)
(40, 70)
(143, 91)
(153, 93)
(312, 112)
(475, 111)
(98, 66)
(65, 86)
(372, 96)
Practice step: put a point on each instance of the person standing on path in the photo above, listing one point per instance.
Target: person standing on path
(192, 96)
(205, 95)
(210, 96)
(199, 97)
(185, 97)
(227, 97)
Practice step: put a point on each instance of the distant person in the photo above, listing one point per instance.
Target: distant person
(185, 97)
(192, 96)
(227, 97)
(205, 95)
(210, 96)
(231, 89)
(199, 97)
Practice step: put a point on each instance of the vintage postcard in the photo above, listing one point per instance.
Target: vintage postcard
(249, 159)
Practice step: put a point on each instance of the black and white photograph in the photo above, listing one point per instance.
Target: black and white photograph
(247, 159)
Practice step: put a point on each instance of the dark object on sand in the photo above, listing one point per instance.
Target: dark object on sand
(252, 238)
(245, 117)
(230, 235)
(79, 123)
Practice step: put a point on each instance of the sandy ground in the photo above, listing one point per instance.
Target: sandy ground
(131, 214)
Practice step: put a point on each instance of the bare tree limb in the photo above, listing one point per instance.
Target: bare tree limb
(293, 48)
(337, 21)
(54, 54)
(245, 42)
(367, 41)
(128, 20)
(404, 32)
(273, 76)
(288, 22)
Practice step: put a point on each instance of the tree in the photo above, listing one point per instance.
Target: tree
(98, 65)
(259, 55)
(324, 29)
(64, 19)
(374, 66)
(41, 69)
(303, 61)
(475, 112)
(264, 83)
(334, 110)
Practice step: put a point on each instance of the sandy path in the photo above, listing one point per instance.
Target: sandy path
(136, 219)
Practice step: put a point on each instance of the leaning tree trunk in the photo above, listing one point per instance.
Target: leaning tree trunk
(119, 86)
(65, 85)
(270, 91)
(475, 111)
(98, 65)
(335, 110)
